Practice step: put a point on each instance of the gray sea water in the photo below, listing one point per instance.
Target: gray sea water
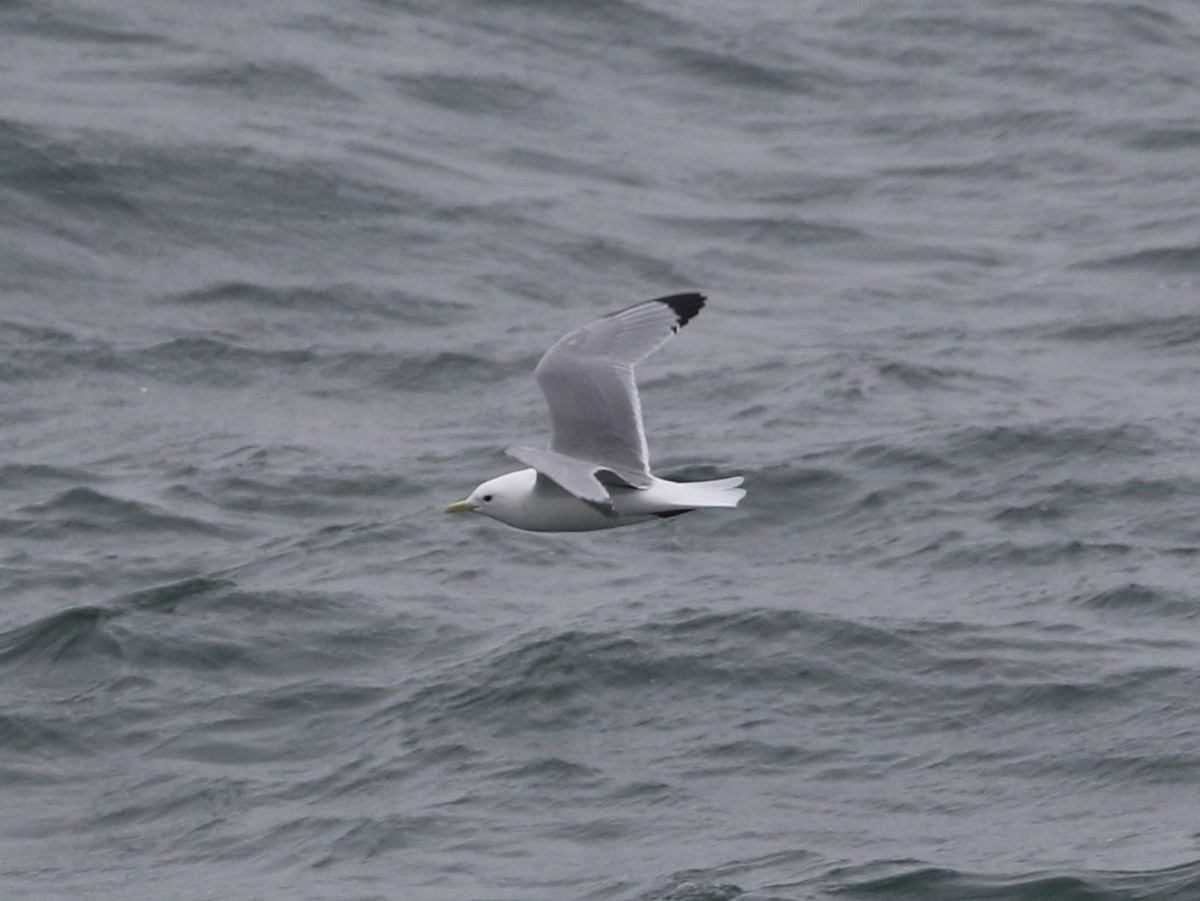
(274, 277)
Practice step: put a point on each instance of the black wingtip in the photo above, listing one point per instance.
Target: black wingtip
(684, 306)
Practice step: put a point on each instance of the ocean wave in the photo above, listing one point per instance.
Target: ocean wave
(1149, 331)
(205, 631)
(479, 96)
(1162, 138)
(540, 678)
(1041, 553)
(726, 69)
(220, 362)
(792, 876)
(1145, 600)
(168, 596)
(330, 302)
(1181, 259)
(260, 80)
(892, 680)
(83, 509)
(77, 633)
(1053, 439)
(78, 26)
(20, 476)
(40, 166)
(914, 881)
(757, 231)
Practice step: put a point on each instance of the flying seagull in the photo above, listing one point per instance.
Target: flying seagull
(596, 474)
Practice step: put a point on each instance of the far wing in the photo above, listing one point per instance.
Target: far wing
(587, 378)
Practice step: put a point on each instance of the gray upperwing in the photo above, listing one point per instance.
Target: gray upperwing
(587, 378)
(595, 413)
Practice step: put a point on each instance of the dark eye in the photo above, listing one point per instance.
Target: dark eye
(487, 498)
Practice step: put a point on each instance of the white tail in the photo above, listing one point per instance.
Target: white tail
(716, 493)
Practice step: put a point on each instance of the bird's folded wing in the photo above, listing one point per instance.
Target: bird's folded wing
(577, 477)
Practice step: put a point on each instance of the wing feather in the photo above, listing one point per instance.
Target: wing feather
(587, 379)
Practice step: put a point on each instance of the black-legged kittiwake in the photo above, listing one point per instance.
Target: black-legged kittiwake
(596, 474)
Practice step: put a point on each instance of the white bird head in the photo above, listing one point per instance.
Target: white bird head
(502, 498)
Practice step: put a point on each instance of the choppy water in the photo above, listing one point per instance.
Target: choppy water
(273, 280)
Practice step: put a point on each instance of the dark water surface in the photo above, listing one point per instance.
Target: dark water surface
(273, 280)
